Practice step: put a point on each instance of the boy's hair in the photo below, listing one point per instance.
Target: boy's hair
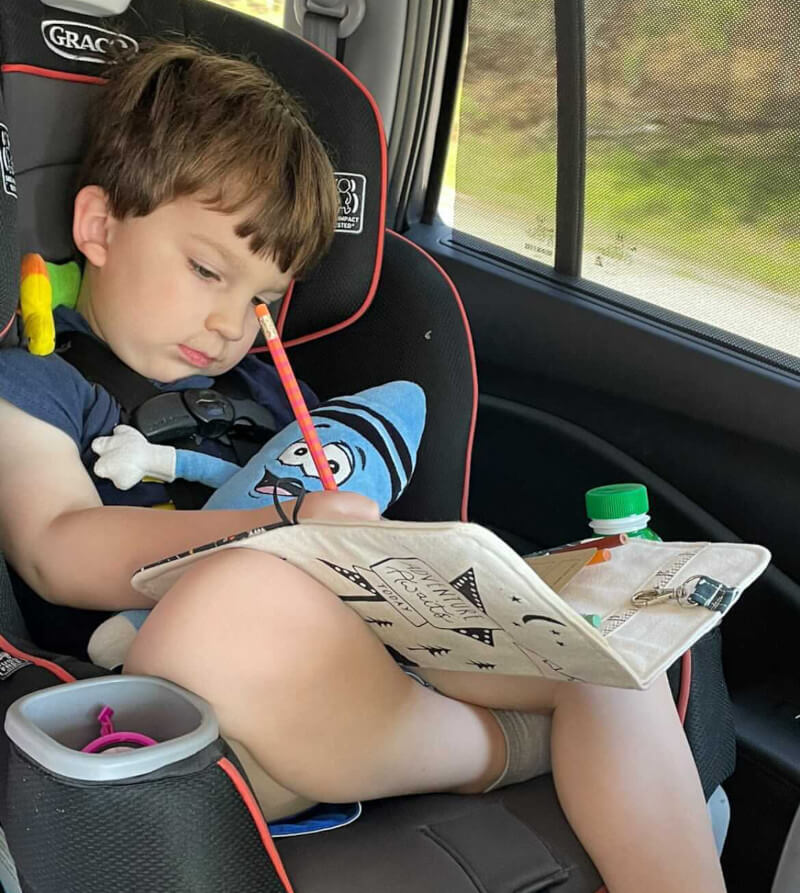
(178, 120)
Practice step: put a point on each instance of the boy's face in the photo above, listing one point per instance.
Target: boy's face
(171, 292)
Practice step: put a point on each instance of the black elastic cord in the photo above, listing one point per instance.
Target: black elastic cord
(297, 489)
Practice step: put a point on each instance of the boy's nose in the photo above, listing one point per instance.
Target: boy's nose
(227, 323)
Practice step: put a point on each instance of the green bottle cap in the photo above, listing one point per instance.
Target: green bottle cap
(616, 501)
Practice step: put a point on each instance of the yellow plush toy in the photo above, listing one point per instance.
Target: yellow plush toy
(44, 286)
(36, 306)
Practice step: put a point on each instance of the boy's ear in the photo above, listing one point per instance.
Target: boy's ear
(90, 220)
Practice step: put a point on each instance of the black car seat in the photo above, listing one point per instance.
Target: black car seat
(377, 308)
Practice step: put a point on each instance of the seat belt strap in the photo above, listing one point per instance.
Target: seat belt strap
(323, 32)
(174, 417)
(328, 23)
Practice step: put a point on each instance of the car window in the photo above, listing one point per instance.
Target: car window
(692, 138)
(268, 10)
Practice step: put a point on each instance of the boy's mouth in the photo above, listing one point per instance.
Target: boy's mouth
(195, 357)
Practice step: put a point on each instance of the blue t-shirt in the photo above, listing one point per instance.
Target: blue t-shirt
(53, 390)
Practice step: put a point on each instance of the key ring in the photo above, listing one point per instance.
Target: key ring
(684, 597)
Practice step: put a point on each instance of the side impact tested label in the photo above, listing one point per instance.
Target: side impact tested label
(352, 190)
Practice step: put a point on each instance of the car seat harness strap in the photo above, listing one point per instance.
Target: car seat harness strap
(167, 416)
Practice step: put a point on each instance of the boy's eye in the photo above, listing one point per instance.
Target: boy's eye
(203, 272)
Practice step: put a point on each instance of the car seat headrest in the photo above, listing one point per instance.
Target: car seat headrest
(52, 66)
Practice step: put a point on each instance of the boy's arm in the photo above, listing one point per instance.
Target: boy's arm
(72, 550)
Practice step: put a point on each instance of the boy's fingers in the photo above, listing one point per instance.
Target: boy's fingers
(339, 504)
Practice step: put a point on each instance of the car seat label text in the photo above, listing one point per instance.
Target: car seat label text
(352, 189)
(86, 43)
(7, 163)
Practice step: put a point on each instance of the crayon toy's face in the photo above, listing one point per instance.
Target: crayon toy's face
(358, 460)
(370, 441)
(296, 461)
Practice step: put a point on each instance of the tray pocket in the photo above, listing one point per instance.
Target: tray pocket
(498, 852)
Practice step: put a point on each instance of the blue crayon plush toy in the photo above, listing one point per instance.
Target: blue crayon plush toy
(370, 441)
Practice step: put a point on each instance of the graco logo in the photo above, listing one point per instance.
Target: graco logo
(6, 162)
(86, 43)
(352, 189)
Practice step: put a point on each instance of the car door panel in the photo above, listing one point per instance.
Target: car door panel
(578, 388)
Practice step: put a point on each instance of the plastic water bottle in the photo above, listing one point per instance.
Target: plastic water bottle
(620, 508)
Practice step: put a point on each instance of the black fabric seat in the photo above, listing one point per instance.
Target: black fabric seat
(377, 308)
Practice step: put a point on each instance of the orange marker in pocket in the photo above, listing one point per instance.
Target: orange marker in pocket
(600, 557)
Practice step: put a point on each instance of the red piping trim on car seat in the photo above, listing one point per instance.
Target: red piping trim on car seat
(52, 73)
(63, 675)
(250, 802)
(686, 685)
(382, 216)
(471, 347)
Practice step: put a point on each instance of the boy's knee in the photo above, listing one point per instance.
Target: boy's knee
(246, 567)
(241, 583)
(609, 700)
(242, 601)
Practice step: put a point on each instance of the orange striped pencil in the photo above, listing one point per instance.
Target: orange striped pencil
(295, 396)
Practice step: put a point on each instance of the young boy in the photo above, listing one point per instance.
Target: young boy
(204, 186)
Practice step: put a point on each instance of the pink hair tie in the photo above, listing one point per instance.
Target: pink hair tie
(109, 738)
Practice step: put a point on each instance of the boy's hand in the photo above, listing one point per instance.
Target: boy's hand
(338, 505)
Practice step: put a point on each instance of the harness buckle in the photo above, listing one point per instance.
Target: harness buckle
(175, 415)
(214, 413)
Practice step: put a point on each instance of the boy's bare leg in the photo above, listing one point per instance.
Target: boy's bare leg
(625, 777)
(302, 682)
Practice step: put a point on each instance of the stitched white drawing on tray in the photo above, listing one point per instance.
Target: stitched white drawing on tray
(453, 596)
(418, 610)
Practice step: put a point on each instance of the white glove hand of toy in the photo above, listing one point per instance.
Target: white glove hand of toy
(127, 456)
